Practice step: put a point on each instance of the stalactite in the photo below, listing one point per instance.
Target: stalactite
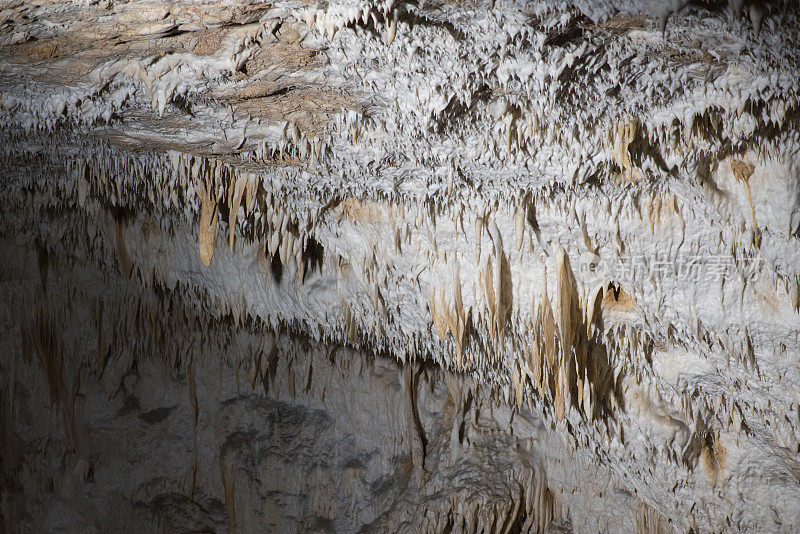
(347, 146)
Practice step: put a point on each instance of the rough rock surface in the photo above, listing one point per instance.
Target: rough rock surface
(400, 266)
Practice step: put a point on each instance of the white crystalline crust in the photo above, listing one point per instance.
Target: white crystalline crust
(584, 213)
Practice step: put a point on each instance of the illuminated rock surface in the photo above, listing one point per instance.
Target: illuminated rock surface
(391, 267)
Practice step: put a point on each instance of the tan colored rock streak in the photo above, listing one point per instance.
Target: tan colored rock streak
(208, 226)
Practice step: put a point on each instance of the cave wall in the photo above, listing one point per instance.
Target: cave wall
(400, 266)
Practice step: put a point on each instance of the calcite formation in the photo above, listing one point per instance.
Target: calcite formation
(399, 266)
